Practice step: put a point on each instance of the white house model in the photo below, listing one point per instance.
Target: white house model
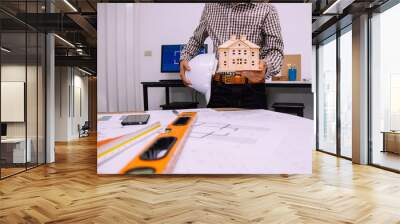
(238, 54)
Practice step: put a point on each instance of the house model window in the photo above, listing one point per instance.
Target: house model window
(236, 52)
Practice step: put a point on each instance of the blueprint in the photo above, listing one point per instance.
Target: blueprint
(222, 142)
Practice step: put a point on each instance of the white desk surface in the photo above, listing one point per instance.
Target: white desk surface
(234, 142)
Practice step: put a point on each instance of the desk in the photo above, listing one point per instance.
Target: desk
(179, 83)
(220, 142)
(165, 85)
(13, 150)
(289, 84)
(391, 141)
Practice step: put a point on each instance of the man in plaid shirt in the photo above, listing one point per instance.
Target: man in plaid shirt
(260, 23)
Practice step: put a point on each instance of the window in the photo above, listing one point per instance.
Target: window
(252, 53)
(327, 96)
(225, 53)
(346, 93)
(385, 87)
(335, 73)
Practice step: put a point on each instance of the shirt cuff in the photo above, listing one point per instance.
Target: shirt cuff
(185, 57)
(271, 70)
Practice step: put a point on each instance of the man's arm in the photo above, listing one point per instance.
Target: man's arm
(197, 40)
(272, 51)
(193, 46)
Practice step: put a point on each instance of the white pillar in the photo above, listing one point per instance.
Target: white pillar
(360, 90)
(50, 92)
(50, 99)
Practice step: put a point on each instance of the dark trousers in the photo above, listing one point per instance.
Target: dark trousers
(249, 96)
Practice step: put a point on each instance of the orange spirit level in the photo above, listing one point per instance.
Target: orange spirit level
(162, 153)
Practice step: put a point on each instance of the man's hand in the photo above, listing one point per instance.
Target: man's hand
(256, 76)
(184, 65)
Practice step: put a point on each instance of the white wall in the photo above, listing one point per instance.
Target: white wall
(61, 103)
(297, 33)
(34, 125)
(18, 73)
(12, 98)
(81, 113)
(14, 72)
(126, 31)
(121, 61)
(165, 29)
(67, 116)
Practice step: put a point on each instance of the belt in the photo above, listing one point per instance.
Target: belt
(231, 79)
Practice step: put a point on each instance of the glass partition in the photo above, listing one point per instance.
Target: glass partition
(23, 91)
(13, 109)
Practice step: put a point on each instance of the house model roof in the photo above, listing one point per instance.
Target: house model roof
(242, 39)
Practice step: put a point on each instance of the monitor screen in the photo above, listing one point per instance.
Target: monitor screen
(170, 55)
(3, 129)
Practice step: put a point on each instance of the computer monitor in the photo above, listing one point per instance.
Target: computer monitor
(3, 129)
(170, 55)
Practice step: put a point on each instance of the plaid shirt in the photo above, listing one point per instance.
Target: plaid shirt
(258, 21)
